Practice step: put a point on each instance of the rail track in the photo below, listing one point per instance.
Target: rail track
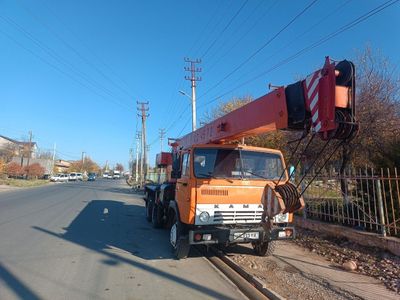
(250, 286)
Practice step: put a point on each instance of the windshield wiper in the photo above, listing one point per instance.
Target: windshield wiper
(206, 175)
(255, 174)
(210, 174)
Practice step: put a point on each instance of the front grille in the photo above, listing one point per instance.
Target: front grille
(237, 216)
(214, 192)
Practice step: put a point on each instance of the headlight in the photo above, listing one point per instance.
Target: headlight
(204, 217)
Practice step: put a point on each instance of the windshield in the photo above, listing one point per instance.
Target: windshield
(235, 163)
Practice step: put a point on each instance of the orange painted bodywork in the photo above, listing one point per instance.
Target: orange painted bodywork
(190, 190)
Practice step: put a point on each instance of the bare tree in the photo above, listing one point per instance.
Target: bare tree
(378, 111)
(119, 167)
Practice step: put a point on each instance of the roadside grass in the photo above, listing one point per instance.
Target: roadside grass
(23, 182)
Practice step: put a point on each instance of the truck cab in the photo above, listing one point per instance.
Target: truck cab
(218, 197)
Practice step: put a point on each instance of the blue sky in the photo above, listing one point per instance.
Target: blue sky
(72, 71)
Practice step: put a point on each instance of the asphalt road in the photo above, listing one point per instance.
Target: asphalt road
(90, 240)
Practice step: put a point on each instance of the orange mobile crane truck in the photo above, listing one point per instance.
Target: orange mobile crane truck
(221, 191)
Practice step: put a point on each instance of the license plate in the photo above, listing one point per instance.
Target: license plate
(247, 235)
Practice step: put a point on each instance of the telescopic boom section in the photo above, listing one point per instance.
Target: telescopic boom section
(323, 102)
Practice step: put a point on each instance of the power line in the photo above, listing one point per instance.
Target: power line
(69, 46)
(269, 8)
(162, 136)
(225, 28)
(59, 59)
(93, 53)
(212, 17)
(184, 127)
(287, 45)
(324, 39)
(210, 34)
(261, 48)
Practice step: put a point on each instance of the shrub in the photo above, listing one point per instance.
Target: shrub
(14, 170)
(34, 170)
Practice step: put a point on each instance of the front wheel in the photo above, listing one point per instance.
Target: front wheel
(264, 248)
(179, 240)
(149, 209)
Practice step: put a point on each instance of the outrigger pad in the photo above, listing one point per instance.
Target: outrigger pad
(283, 198)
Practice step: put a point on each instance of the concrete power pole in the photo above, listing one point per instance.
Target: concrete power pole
(131, 161)
(162, 135)
(138, 142)
(193, 78)
(143, 108)
(54, 157)
(83, 160)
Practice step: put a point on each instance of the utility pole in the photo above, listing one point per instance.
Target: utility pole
(143, 108)
(30, 148)
(131, 161)
(193, 78)
(147, 165)
(162, 135)
(83, 160)
(138, 142)
(54, 157)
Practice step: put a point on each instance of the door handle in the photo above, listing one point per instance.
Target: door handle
(183, 183)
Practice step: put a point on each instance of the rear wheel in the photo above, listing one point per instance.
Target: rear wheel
(149, 209)
(179, 239)
(157, 216)
(264, 248)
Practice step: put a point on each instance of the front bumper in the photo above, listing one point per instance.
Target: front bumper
(223, 235)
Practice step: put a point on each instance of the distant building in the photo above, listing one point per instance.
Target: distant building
(61, 166)
(22, 149)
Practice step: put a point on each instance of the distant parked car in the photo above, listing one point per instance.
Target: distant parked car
(105, 175)
(72, 177)
(117, 174)
(79, 176)
(109, 176)
(55, 177)
(91, 177)
(63, 178)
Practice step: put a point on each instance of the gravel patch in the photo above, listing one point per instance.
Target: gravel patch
(369, 261)
(286, 280)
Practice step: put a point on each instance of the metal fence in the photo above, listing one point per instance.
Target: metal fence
(365, 199)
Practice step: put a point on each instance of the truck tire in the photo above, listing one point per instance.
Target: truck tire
(264, 248)
(179, 239)
(157, 216)
(149, 209)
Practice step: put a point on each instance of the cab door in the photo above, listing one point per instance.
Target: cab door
(183, 189)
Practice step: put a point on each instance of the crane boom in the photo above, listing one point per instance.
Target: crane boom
(322, 102)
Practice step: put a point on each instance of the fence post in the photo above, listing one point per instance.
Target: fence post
(305, 207)
(380, 207)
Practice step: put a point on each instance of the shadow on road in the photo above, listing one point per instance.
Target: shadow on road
(19, 288)
(106, 224)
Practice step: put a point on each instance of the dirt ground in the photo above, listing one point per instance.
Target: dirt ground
(311, 268)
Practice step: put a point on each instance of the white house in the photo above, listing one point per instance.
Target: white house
(18, 148)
